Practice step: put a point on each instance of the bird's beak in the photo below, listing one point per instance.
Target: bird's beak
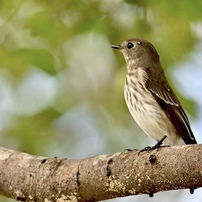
(119, 47)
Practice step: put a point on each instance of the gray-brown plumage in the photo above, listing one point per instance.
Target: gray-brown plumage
(149, 97)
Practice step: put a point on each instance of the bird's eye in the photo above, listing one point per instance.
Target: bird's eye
(130, 45)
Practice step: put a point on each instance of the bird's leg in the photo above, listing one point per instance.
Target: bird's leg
(157, 145)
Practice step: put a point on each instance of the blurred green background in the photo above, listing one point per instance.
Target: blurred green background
(61, 84)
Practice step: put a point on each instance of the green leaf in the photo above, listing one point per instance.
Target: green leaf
(37, 57)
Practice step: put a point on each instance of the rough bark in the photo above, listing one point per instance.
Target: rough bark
(33, 178)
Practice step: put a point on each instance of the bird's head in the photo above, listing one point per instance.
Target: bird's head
(136, 49)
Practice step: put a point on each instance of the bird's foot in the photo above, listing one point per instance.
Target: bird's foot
(129, 150)
(157, 145)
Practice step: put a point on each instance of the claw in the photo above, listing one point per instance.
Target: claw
(129, 150)
(191, 190)
(157, 145)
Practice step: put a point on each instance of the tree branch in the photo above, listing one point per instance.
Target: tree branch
(33, 178)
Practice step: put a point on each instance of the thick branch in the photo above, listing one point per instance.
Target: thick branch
(31, 178)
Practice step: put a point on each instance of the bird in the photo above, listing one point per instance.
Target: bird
(149, 97)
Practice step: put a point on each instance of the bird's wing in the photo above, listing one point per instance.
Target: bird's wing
(168, 101)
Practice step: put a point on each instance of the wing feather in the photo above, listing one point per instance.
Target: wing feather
(168, 101)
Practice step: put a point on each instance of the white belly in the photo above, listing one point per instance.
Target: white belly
(150, 117)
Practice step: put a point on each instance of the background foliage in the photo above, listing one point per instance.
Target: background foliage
(61, 85)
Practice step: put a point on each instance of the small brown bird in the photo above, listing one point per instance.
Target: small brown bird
(149, 97)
